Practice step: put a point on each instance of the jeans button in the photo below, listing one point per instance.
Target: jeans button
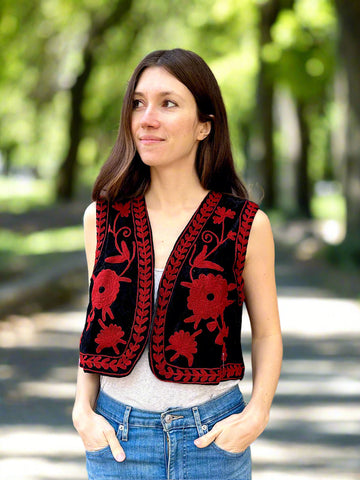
(168, 418)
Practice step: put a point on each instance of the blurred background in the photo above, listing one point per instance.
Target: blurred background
(289, 71)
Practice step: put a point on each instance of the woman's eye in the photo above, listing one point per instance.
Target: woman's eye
(137, 103)
(169, 103)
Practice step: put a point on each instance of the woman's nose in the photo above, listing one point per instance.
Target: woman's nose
(149, 117)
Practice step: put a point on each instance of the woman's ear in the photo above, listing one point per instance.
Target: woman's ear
(205, 128)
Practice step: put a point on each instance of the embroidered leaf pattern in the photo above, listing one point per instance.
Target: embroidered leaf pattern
(201, 262)
(122, 208)
(221, 213)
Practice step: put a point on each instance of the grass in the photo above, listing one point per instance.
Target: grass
(18, 194)
(57, 240)
(21, 254)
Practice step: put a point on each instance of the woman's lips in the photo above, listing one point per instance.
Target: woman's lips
(149, 140)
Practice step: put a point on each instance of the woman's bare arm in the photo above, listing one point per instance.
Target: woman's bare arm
(94, 430)
(237, 432)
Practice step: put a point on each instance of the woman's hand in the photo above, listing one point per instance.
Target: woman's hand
(236, 432)
(97, 433)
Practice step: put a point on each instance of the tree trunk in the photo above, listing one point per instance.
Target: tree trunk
(269, 12)
(67, 171)
(302, 174)
(349, 17)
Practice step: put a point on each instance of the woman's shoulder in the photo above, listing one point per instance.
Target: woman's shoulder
(261, 231)
(90, 213)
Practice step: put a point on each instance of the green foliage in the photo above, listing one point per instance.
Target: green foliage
(329, 207)
(20, 195)
(302, 51)
(38, 243)
(42, 48)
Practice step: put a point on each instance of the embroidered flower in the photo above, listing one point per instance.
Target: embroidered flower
(183, 344)
(208, 297)
(109, 337)
(123, 208)
(104, 292)
(221, 213)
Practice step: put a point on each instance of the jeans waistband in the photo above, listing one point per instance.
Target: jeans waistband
(177, 417)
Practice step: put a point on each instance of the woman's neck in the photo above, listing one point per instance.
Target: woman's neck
(168, 191)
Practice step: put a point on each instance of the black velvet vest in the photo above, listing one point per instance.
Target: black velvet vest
(195, 331)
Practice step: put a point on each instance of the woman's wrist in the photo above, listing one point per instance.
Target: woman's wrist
(81, 413)
(258, 412)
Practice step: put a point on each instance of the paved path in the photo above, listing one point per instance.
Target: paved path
(314, 432)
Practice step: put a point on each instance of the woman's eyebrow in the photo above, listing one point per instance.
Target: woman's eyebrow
(161, 94)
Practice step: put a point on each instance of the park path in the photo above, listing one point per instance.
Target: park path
(314, 431)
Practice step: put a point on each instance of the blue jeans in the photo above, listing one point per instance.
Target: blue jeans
(161, 445)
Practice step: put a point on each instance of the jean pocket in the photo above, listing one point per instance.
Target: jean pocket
(226, 452)
(101, 452)
(236, 409)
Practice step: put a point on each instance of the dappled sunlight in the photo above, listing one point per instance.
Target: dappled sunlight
(41, 469)
(66, 239)
(37, 453)
(318, 317)
(44, 390)
(314, 429)
(276, 460)
(40, 441)
(21, 331)
(310, 316)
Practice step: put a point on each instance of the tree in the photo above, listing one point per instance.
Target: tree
(349, 19)
(296, 58)
(269, 12)
(100, 24)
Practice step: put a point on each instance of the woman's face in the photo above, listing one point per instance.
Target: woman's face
(165, 125)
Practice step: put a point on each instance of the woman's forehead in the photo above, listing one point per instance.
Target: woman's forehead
(157, 80)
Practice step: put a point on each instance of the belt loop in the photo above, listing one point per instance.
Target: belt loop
(125, 428)
(202, 429)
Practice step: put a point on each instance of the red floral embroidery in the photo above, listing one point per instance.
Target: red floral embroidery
(104, 292)
(109, 337)
(184, 344)
(101, 225)
(221, 213)
(241, 246)
(123, 208)
(201, 262)
(123, 257)
(208, 297)
(179, 344)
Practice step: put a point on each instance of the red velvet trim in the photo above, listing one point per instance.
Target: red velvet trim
(120, 366)
(101, 226)
(159, 364)
(247, 218)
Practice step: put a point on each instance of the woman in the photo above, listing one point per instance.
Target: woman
(174, 248)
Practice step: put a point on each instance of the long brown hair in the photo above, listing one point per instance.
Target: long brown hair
(124, 175)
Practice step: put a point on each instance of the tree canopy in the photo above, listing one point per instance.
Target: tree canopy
(285, 68)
